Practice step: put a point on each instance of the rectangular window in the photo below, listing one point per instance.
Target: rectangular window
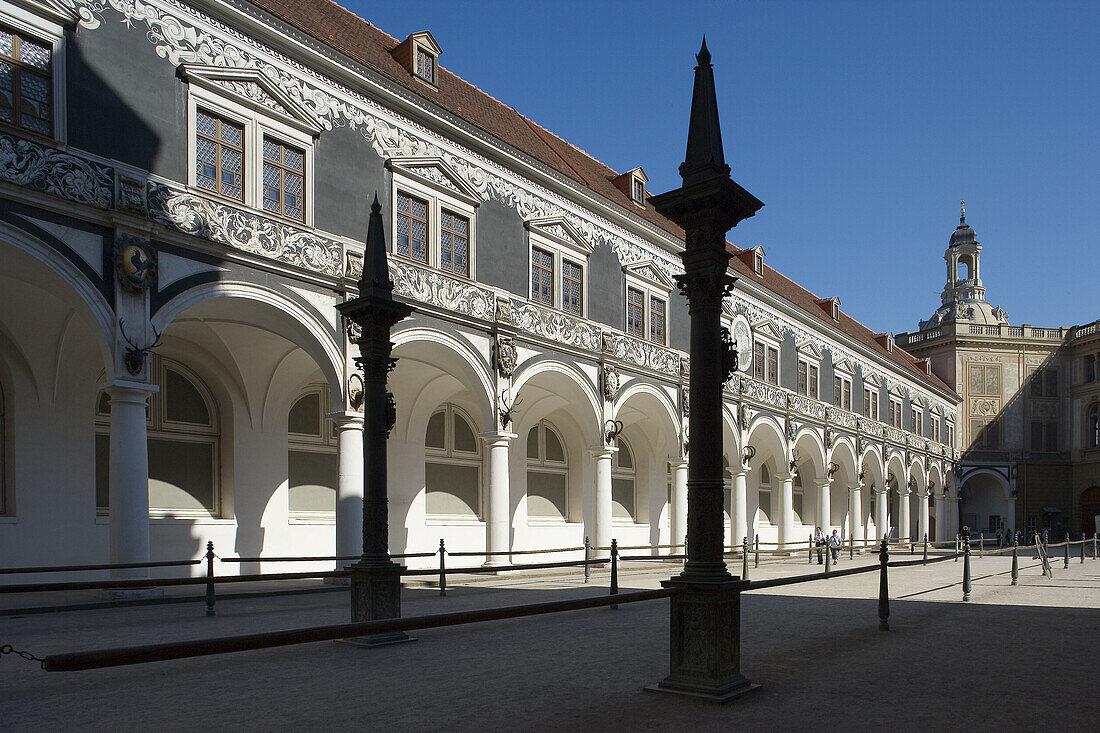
(219, 155)
(758, 361)
(773, 365)
(935, 425)
(639, 191)
(1090, 368)
(803, 378)
(950, 434)
(656, 320)
(26, 83)
(284, 180)
(870, 403)
(412, 228)
(895, 413)
(918, 422)
(571, 288)
(813, 382)
(635, 312)
(842, 392)
(542, 276)
(1050, 377)
(454, 243)
(425, 65)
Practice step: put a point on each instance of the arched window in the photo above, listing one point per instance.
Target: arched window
(765, 493)
(312, 465)
(1092, 423)
(452, 466)
(547, 474)
(623, 474)
(183, 430)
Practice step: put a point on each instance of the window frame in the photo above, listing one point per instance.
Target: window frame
(843, 397)
(761, 336)
(916, 419)
(257, 126)
(323, 442)
(559, 252)
(449, 455)
(51, 35)
(871, 404)
(542, 464)
(1092, 426)
(812, 366)
(618, 472)
(437, 200)
(896, 406)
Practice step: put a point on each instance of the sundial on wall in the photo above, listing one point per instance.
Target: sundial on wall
(742, 337)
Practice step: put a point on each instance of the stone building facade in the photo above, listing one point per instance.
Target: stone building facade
(184, 191)
(1029, 451)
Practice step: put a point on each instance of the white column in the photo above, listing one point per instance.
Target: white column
(601, 510)
(941, 531)
(903, 515)
(882, 518)
(349, 487)
(129, 477)
(498, 502)
(786, 509)
(1010, 514)
(952, 511)
(739, 506)
(678, 512)
(922, 517)
(824, 514)
(855, 513)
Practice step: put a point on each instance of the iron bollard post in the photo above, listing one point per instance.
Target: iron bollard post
(587, 556)
(981, 543)
(442, 568)
(925, 558)
(1094, 538)
(756, 559)
(1066, 565)
(957, 547)
(966, 566)
(1015, 563)
(828, 559)
(614, 569)
(810, 554)
(851, 548)
(883, 587)
(1082, 548)
(210, 599)
(745, 558)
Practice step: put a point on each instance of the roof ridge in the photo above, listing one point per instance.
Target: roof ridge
(558, 137)
(540, 131)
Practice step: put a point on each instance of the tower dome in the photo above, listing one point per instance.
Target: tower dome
(963, 234)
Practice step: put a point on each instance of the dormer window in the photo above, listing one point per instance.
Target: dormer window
(639, 191)
(418, 54)
(758, 261)
(632, 183)
(425, 65)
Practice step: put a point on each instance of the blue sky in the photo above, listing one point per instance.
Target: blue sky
(860, 125)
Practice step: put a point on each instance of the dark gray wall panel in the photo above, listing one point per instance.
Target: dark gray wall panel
(125, 102)
(501, 248)
(347, 175)
(679, 322)
(788, 363)
(606, 296)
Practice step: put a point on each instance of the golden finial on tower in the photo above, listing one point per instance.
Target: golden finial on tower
(962, 211)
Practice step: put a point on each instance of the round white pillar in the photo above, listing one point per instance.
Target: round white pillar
(678, 512)
(786, 510)
(922, 518)
(601, 510)
(882, 515)
(903, 515)
(823, 512)
(497, 505)
(349, 487)
(855, 513)
(739, 507)
(129, 477)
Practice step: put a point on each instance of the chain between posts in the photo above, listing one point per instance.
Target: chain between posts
(9, 649)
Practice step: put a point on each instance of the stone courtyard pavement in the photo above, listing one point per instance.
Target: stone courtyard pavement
(1012, 658)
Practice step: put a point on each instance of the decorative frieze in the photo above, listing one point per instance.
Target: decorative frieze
(894, 435)
(766, 393)
(805, 406)
(555, 325)
(642, 353)
(843, 418)
(243, 230)
(435, 288)
(44, 169)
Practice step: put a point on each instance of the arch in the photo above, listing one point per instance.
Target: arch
(917, 474)
(315, 336)
(456, 357)
(75, 282)
(844, 455)
(658, 395)
(568, 383)
(807, 439)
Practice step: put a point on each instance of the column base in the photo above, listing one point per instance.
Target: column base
(705, 629)
(376, 595)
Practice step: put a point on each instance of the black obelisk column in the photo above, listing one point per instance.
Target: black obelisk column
(376, 579)
(705, 613)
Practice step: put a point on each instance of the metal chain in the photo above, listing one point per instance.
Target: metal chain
(9, 649)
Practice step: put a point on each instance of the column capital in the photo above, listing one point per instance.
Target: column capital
(602, 451)
(496, 437)
(347, 420)
(678, 463)
(822, 482)
(854, 487)
(129, 390)
(737, 471)
(783, 476)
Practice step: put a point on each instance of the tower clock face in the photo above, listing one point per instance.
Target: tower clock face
(742, 336)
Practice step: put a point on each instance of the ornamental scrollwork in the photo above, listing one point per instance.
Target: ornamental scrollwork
(44, 169)
(505, 356)
(243, 230)
(437, 289)
(641, 353)
(555, 326)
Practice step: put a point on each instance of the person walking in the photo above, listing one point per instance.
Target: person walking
(819, 542)
(834, 546)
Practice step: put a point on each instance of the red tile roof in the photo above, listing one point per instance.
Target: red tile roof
(360, 41)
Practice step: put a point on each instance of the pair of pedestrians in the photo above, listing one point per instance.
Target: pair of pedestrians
(832, 542)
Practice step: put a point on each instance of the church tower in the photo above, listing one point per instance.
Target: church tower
(963, 296)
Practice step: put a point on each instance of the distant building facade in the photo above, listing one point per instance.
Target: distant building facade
(184, 189)
(1028, 416)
